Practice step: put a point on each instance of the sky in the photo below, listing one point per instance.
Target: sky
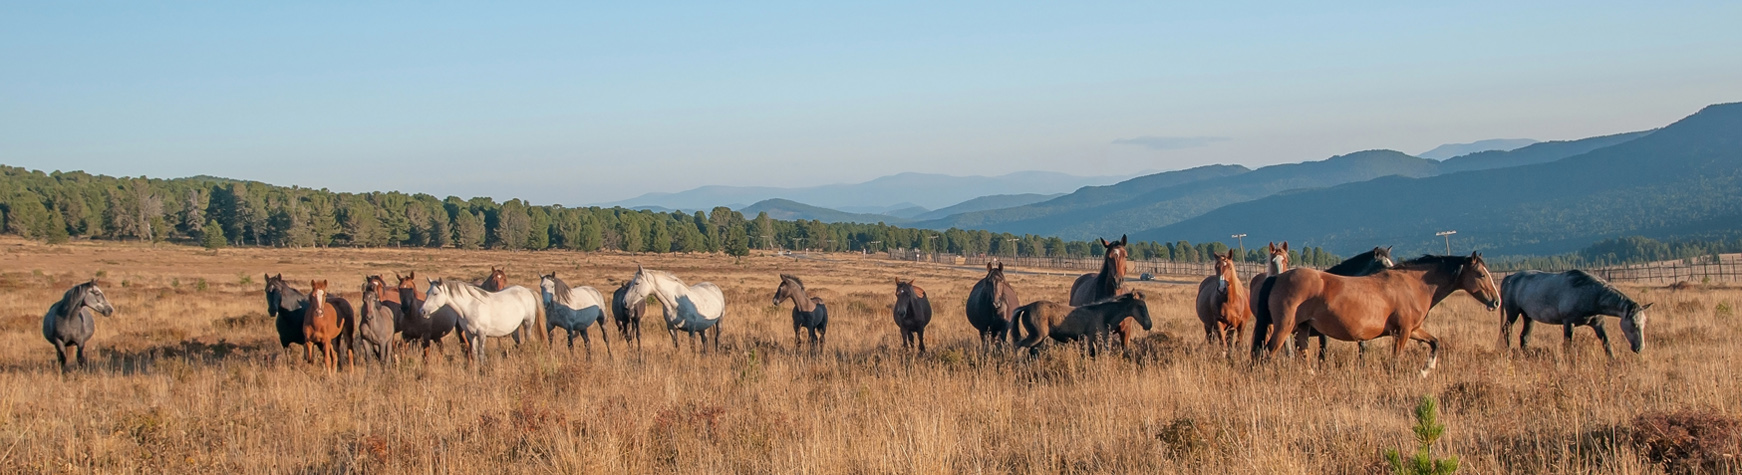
(581, 102)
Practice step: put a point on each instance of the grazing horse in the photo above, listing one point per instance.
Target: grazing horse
(688, 308)
(286, 305)
(1393, 302)
(327, 321)
(574, 309)
(1105, 284)
(1365, 263)
(496, 281)
(628, 317)
(69, 322)
(1222, 304)
(376, 322)
(1569, 299)
(912, 313)
(991, 304)
(808, 313)
(416, 326)
(1064, 323)
(483, 314)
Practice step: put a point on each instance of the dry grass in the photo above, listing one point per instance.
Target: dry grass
(190, 378)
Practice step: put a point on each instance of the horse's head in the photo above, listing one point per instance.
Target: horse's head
(1382, 255)
(1116, 254)
(1475, 279)
(1225, 270)
(90, 296)
(376, 283)
(995, 275)
(498, 279)
(1278, 260)
(547, 287)
(790, 287)
(434, 298)
(638, 287)
(317, 295)
(1139, 308)
(1633, 326)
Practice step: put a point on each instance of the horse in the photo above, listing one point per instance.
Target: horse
(69, 323)
(912, 313)
(380, 286)
(688, 308)
(628, 317)
(1570, 299)
(1065, 323)
(808, 313)
(991, 304)
(327, 321)
(1392, 302)
(1365, 263)
(574, 309)
(286, 305)
(416, 326)
(484, 314)
(1105, 284)
(377, 320)
(1222, 304)
(496, 281)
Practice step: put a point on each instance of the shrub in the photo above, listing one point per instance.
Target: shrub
(1427, 430)
(1689, 441)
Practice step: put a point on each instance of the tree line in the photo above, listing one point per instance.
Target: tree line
(215, 212)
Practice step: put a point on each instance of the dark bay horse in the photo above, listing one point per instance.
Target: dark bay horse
(808, 313)
(628, 317)
(1064, 323)
(416, 327)
(1222, 304)
(1569, 299)
(70, 323)
(1105, 284)
(912, 313)
(1365, 263)
(1394, 302)
(327, 322)
(991, 304)
(377, 321)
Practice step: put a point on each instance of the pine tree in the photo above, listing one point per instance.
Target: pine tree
(469, 230)
(1427, 430)
(212, 236)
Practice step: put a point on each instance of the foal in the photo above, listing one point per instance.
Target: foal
(807, 312)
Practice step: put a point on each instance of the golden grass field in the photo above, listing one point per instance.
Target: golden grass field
(188, 376)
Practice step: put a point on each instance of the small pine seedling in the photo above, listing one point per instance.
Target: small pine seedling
(1427, 430)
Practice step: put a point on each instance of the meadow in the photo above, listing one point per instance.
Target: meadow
(188, 376)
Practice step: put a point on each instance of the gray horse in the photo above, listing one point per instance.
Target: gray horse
(1569, 299)
(377, 325)
(69, 321)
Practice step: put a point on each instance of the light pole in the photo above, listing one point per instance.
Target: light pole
(1012, 246)
(1448, 236)
(869, 244)
(1242, 238)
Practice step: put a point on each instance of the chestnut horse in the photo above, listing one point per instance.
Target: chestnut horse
(912, 313)
(1365, 263)
(1222, 304)
(329, 319)
(1393, 302)
(496, 281)
(1044, 319)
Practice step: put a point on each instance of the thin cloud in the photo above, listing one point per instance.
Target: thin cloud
(1160, 142)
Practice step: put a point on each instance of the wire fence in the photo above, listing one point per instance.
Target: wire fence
(1725, 268)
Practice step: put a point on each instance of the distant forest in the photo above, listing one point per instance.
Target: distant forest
(217, 212)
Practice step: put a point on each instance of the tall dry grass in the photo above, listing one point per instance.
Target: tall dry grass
(189, 377)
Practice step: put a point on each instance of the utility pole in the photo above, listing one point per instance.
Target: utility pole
(869, 244)
(1448, 236)
(1012, 246)
(1242, 238)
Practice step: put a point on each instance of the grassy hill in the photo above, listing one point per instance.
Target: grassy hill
(1682, 181)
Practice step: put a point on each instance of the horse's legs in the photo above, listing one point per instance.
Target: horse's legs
(1433, 348)
(1508, 316)
(798, 337)
(60, 353)
(1567, 344)
(1596, 326)
(921, 338)
(1524, 333)
(589, 344)
(673, 332)
(605, 337)
(83, 364)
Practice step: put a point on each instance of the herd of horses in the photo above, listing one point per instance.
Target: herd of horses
(1366, 297)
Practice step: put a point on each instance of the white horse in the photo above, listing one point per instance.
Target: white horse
(574, 309)
(688, 308)
(483, 313)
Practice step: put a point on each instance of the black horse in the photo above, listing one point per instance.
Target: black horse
(286, 305)
(628, 317)
(991, 304)
(912, 313)
(807, 312)
(1366, 263)
(1044, 319)
(69, 323)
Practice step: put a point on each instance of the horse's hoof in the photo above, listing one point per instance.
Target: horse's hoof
(1424, 373)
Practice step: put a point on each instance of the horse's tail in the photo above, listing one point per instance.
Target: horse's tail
(1261, 319)
(347, 321)
(1024, 318)
(539, 320)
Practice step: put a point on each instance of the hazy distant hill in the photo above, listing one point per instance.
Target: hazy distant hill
(986, 203)
(1087, 197)
(926, 190)
(1682, 181)
(1456, 149)
(785, 209)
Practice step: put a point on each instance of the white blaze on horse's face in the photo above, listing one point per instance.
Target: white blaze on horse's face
(1222, 284)
(1633, 327)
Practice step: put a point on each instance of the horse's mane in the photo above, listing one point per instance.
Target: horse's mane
(663, 274)
(1610, 295)
(792, 278)
(72, 300)
(1353, 264)
(562, 289)
(457, 285)
(1446, 264)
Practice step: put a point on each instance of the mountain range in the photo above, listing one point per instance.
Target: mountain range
(878, 196)
(1457, 149)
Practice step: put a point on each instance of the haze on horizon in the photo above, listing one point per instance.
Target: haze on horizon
(578, 104)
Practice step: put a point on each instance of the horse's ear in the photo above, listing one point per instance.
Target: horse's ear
(1103, 242)
(988, 266)
(1124, 239)
(1230, 254)
(1285, 246)
(1646, 306)
(1000, 267)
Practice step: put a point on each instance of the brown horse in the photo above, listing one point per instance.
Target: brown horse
(1393, 302)
(1103, 285)
(388, 295)
(990, 306)
(416, 327)
(1044, 319)
(496, 281)
(1222, 304)
(1275, 263)
(329, 319)
(912, 313)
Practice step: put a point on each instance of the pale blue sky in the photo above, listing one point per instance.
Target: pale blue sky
(582, 103)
